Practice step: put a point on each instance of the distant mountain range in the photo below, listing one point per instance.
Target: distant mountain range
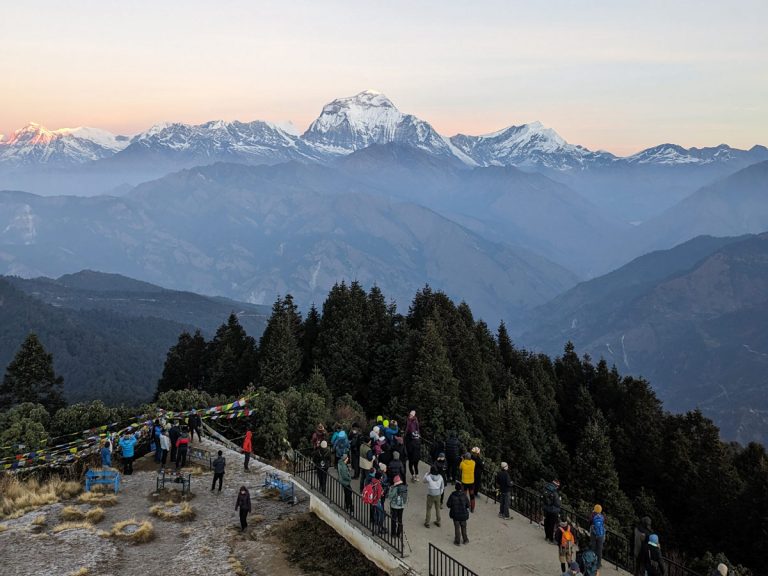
(690, 319)
(94, 161)
(109, 334)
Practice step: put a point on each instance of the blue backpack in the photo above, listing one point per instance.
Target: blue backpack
(598, 525)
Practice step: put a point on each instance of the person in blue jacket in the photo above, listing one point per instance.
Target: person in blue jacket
(127, 444)
(391, 431)
(106, 455)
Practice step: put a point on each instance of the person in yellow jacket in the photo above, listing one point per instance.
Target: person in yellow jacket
(467, 472)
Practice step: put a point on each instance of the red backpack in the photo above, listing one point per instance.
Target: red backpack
(372, 492)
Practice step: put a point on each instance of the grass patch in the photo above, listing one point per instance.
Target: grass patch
(237, 566)
(72, 526)
(39, 520)
(173, 512)
(95, 515)
(134, 531)
(3, 527)
(97, 498)
(19, 497)
(72, 514)
(316, 548)
(82, 572)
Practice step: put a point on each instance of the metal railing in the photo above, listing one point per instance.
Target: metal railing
(374, 519)
(441, 564)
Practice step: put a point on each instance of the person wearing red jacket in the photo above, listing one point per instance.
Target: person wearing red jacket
(247, 447)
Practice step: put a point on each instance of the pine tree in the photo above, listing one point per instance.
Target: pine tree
(271, 432)
(309, 332)
(279, 352)
(184, 364)
(231, 359)
(30, 378)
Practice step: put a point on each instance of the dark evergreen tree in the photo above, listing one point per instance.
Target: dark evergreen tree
(279, 352)
(30, 378)
(185, 366)
(309, 332)
(231, 359)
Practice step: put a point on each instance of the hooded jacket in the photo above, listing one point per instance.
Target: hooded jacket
(458, 504)
(395, 466)
(243, 501)
(341, 443)
(435, 484)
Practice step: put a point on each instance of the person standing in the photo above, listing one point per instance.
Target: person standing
(467, 474)
(157, 431)
(573, 569)
(478, 481)
(127, 444)
(322, 461)
(458, 506)
(247, 447)
(106, 455)
(413, 444)
(345, 478)
(194, 423)
(642, 531)
(243, 503)
(182, 446)
(365, 462)
(355, 439)
(318, 435)
(173, 436)
(218, 470)
(435, 491)
(165, 447)
(504, 486)
(597, 533)
(551, 506)
(654, 563)
(566, 543)
(398, 500)
(452, 456)
(442, 468)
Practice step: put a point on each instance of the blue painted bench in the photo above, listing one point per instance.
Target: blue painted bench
(273, 480)
(106, 477)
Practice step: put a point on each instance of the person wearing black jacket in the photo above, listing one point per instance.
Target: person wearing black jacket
(322, 460)
(504, 485)
(395, 467)
(243, 503)
(355, 439)
(642, 531)
(173, 435)
(218, 471)
(458, 507)
(194, 423)
(453, 456)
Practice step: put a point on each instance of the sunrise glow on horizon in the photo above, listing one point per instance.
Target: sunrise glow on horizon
(607, 75)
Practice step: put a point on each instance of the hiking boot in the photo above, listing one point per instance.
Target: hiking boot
(437, 524)
(457, 543)
(426, 524)
(466, 540)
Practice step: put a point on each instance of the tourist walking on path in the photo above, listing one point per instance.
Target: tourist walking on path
(477, 484)
(345, 478)
(243, 503)
(566, 543)
(597, 533)
(173, 436)
(247, 447)
(458, 506)
(467, 476)
(398, 500)
(452, 456)
(127, 445)
(435, 490)
(654, 563)
(218, 470)
(642, 531)
(322, 461)
(165, 447)
(182, 445)
(504, 486)
(551, 507)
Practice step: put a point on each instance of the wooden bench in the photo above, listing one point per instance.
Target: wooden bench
(174, 478)
(273, 480)
(106, 477)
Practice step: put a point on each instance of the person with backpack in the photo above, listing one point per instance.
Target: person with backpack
(573, 569)
(435, 490)
(597, 533)
(218, 470)
(458, 511)
(453, 456)
(413, 445)
(566, 543)
(477, 484)
(642, 531)
(398, 499)
(372, 495)
(467, 475)
(345, 479)
(394, 467)
(243, 503)
(587, 561)
(365, 462)
(654, 563)
(551, 506)
(355, 440)
(322, 461)
(340, 444)
(504, 486)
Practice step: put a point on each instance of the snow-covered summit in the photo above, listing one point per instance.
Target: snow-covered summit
(673, 154)
(529, 145)
(356, 122)
(34, 144)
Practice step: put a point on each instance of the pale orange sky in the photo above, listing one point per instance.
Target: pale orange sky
(619, 76)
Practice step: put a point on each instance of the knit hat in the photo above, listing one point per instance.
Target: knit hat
(504, 465)
(386, 423)
(475, 450)
(379, 418)
(397, 480)
(383, 467)
(575, 567)
(459, 486)
(598, 509)
(722, 569)
(653, 540)
(323, 444)
(376, 429)
(441, 455)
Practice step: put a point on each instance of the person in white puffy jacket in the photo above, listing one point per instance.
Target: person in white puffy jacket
(435, 488)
